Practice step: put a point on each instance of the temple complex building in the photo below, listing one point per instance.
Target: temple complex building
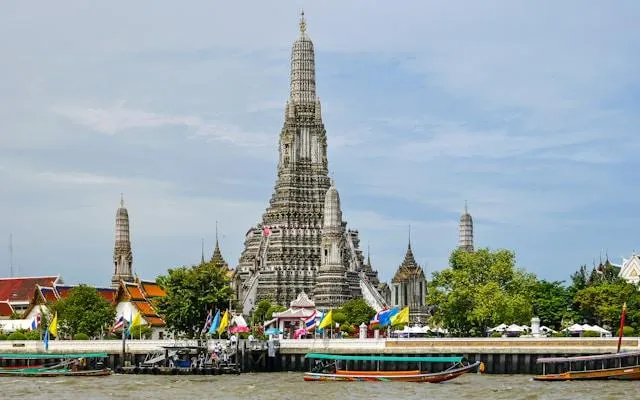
(465, 230)
(122, 254)
(409, 288)
(284, 252)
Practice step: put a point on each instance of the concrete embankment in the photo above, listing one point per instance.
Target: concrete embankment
(500, 355)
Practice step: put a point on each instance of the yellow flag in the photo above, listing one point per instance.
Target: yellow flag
(53, 326)
(136, 320)
(224, 322)
(401, 318)
(327, 320)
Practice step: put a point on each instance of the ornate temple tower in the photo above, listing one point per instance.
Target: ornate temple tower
(122, 254)
(332, 288)
(283, 253)
(409, 288)
(465, 231)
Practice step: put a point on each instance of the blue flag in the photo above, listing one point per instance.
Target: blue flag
(385, 316)
(46, 340)
(214, 325)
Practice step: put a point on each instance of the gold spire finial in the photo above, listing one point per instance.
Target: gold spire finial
(303, 24)
(121, 200)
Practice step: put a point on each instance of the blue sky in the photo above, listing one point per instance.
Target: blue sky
(529, 112)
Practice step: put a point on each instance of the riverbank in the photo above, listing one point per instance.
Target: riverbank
(500, 355)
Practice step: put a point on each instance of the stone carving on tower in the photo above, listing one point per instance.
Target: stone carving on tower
(282, 253)
(465, 231)
(122, 254)
(332, 288)
(409, 288)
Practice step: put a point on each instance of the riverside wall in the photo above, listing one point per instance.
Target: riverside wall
(499, 355)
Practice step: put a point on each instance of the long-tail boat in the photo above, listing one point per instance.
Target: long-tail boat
(623, 366)
(77, 364)
(327, 367)
(619, 365)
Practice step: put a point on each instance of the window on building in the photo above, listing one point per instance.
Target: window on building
(160, 335)
(396, 302)
(420, 296)
(406, 297)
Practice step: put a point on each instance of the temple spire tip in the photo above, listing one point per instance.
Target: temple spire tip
(121, 200)
(303, 23)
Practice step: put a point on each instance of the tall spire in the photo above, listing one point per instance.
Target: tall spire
(465, 230)
(217, 258)
(303, 67)
(302, 24)
(409, 236)
(122, 254)
(202, 252)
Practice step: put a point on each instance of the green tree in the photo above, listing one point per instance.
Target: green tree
(83, 311)
(479, 290)
(601, 303)
(357, 311)
(260, 314)
(274, 308)
(551, 303)
(191, 293)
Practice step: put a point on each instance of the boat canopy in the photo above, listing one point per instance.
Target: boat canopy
(610, 356)
(322, 356)
(34, 356)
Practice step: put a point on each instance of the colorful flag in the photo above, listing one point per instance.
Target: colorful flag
(401, 318)
(310, 322)
(207, 322)
(135, 321)
(119, 324)
(53, 326)
(327, 320)
(215, 323)
(224, 322)
(386, 315)
(46, 340)
(376, 318)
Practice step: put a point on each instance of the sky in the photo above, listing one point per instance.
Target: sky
(527, 110)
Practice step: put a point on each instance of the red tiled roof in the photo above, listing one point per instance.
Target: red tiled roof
(109, 294)
(151, 289)
(145, 308)
(21, 289)
(5, 309)
(48, 294)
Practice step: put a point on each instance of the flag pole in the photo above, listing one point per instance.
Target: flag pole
(622, 317)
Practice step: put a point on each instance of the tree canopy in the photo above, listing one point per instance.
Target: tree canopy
(83, 311)
(479, 290)
(191, 293)
(356, 311)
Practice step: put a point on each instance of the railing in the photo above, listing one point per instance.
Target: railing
(365, 286)
(86, 346)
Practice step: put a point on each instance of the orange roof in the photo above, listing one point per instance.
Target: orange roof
(5, 309)
(134, 292)
(155, 321)
(109, 294)
(22, 289)
(151, 289)
(145, 308)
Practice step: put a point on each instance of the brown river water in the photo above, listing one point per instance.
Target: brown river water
(283, 386)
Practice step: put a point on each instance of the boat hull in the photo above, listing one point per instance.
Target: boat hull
(630, 373)
(53, 373)
(391, 376)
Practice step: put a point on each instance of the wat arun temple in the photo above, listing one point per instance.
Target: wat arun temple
(302, 243)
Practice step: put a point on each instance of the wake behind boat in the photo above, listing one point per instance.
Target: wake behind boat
(329, 369)
(81, 364)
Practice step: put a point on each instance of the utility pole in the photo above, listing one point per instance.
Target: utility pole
(11, 255)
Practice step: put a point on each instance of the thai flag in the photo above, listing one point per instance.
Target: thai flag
(376, 318)
(119, 324)
(310, 322)
(207, 323)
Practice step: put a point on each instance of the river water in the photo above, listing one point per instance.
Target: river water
(283, 386)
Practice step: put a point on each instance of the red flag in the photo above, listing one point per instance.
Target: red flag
(624, 314)
(266, 231)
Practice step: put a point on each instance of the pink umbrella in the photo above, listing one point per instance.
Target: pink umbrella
(299, 332)
(238, 329)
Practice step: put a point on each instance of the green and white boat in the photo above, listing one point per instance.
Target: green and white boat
(54, 365)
